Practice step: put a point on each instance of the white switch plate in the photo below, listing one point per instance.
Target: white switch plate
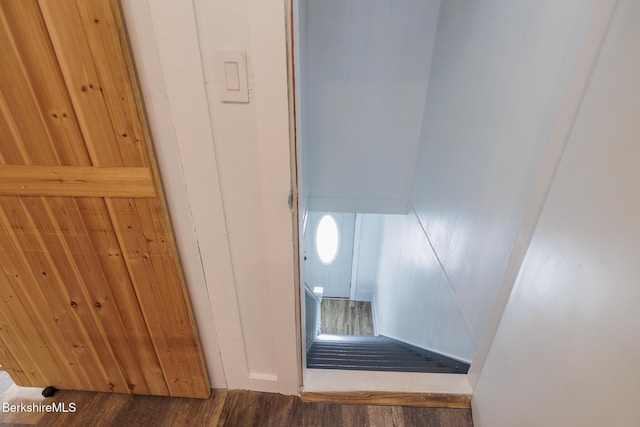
(232, 71)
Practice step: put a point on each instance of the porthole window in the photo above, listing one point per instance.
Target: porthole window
(327, 239)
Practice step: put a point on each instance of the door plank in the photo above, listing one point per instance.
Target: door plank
(17, 91)
(169, 329)
(136, 337)
(41, 312)
(109, 51)
(34, 50)
(72, 234)
(78, 181)
(58, 285)
(82, 81)
(69, 267)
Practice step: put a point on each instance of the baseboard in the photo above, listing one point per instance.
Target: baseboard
(421, 400)
(366, 296)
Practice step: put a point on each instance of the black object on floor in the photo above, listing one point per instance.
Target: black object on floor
(49, 391)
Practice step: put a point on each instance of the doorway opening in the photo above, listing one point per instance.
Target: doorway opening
(362, 72)
(429, 120)
(329, 270)
(341, 265)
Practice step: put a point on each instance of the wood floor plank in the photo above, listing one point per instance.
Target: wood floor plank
(386, 416)
(354, 415)
(225, 408)
(424, 400)
(313, 414)
(218, 400)
(278, 410)
(346, 317)
(240, 408)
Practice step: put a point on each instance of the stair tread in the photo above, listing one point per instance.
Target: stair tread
(369, 363)
(375, 353)
(398, 368)
(370, 356)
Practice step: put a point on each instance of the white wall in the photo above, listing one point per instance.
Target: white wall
(498, 74)
(565, 352)
(414, 301)
(227, 172)
(301, 116)
(366, 253)
(365, 69)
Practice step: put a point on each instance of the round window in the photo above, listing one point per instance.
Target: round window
(327, 239)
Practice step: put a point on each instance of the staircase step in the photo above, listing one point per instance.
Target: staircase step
(355, 345)
(374, 367)
(385, 362)
(360, 350)
(394, 356)
(372, 354)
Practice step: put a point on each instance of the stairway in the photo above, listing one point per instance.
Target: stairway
(377, 353)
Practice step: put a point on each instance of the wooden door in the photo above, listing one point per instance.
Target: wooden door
(92, 295)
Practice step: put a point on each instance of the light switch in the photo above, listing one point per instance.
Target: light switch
(231, 77)
(232, 69)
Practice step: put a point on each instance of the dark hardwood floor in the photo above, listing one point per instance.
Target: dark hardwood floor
(224, 408)
(345, 317)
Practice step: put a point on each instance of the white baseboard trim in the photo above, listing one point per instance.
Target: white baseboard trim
(267, 383)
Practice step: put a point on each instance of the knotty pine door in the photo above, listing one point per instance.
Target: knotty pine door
(92, 295)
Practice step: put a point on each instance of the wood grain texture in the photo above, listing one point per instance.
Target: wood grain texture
(77, 181)
(422, 400)
(223, 408)
(345, 317)
(92, 293)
